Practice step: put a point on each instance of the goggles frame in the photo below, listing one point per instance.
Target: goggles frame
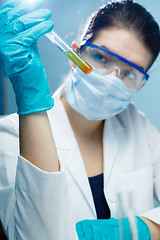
(92, 45)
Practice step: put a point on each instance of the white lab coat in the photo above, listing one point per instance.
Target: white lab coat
(40, 205)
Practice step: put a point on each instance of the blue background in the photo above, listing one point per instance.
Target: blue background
(67, 16)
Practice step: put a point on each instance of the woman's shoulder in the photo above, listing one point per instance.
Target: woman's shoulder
(133, 118)
(133, 114)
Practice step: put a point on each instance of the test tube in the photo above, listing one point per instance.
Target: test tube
(69, 52)
(126, 210)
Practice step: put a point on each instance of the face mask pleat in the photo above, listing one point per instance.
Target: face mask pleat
(97, 96)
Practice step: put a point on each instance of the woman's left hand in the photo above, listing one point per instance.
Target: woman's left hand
(109, 229)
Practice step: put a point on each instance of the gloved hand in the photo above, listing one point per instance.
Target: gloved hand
(20, 28)
(109, 229)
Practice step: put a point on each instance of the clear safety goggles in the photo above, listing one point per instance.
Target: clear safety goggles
(106, 62)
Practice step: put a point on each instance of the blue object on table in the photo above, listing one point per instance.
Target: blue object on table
(109, 229)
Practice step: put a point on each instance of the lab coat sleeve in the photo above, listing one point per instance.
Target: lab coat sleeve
(8, 165)
(33, 204)
(42, 208)
(153, 137)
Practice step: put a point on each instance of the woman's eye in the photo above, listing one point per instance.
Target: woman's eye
(98, 57)
(130, 74)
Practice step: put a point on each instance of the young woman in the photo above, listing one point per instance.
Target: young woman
(74, 157)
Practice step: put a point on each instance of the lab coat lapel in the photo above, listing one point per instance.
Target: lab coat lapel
(68, 151)
(110, 147)
(76, 168)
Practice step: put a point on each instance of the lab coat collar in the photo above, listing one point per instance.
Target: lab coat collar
(110, 147)
(77, 169)
(68, 150)
(59, 118)
(60, 123)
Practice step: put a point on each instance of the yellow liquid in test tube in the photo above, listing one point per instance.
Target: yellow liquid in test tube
(79, 61)
(69, 52)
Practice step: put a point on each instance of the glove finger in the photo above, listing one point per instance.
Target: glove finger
(32, 34)
(84, 229)
(30, 20)
(80, 232)
(19, 10)
(7, 6)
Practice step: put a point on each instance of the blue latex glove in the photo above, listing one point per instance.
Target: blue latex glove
(20, 28)
(109, 229)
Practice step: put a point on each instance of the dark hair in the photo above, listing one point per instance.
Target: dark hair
(128, 15)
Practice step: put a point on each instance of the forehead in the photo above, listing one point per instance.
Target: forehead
(126, 44)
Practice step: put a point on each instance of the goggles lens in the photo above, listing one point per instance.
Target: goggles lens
(105, 61)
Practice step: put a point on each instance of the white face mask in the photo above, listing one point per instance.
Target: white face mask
(97, 96)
